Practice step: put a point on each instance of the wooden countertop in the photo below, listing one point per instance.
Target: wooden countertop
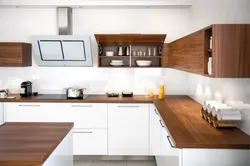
(90, 99)
(30, 144)
(181, 115)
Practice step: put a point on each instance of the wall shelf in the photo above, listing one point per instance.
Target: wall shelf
(136, 43)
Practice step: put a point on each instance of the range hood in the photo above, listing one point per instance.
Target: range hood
(64, 49)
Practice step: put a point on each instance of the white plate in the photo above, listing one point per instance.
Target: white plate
(115, 64)
(116, 61)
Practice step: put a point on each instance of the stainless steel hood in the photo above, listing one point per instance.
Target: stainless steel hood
(64, 21)
(64, 49)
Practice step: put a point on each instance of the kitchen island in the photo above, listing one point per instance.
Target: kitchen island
(36, 144)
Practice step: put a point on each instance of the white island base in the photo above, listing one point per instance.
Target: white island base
(63, 154)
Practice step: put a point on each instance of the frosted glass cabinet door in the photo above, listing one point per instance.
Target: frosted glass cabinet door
(128, 129)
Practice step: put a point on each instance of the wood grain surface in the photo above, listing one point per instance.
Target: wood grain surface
(15, 54)
(90, 99)
(181, 115)
(30, 144)
(127, 39)
(231, 50)
(186, 53)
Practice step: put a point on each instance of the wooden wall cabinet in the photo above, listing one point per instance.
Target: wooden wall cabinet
(230, 51)
(136, 43)
(15, 54)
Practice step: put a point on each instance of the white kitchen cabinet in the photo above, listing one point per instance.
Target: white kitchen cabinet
(1, 113)
(128, 129)
(36, 112)
(63, 154)
(155, 132)
(88, 115)
(90, 142)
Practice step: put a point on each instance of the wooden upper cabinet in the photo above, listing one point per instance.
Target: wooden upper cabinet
(15, 54)
(230, 51)
(138, 47)
(186, 53)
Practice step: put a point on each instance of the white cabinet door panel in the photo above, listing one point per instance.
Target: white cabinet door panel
(36, 112)
(90, 142)
(24, 112)
(128, 126)
(155, 132)
(88, 115)
(167, 148)
(1, 113)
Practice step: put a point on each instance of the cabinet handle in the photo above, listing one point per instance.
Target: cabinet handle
(170, 142)
(161, 123)
(83, 132)
(81, 105)
(156, 112)
(128, 106)
(29, 105)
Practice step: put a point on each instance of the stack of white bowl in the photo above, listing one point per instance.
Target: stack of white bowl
(143, 63)
(116, 63)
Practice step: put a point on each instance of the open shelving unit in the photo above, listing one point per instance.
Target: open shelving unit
(136, 43)
(208, 49)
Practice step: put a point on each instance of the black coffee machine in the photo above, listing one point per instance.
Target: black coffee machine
(26, 89)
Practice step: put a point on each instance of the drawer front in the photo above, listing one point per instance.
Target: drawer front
(167, 144)
(23, 112)
(90, 142)
(88, 115)
(36, 112)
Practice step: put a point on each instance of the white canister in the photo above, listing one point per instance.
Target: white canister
(209, 66)
(211, 42)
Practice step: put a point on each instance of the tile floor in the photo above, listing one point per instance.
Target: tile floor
(115, 163)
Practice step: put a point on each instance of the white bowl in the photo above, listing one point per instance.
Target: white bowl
(116, 61)
(116, 64)
(109, 53)
(143, 63)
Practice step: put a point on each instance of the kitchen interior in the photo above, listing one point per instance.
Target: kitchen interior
(128, 83)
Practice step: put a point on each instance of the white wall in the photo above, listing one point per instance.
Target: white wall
(20, 24)
(202, 14)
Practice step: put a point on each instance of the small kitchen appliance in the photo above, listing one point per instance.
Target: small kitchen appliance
(26, 89)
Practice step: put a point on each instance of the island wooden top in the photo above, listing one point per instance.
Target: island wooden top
(30, 144)
(181, 115)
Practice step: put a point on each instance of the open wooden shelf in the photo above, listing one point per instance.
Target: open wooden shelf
(135, 44)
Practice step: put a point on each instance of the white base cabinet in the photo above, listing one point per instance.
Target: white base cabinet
(90, 142)
(117, 129)
(63, 154)
(170, 156)
(90, 122)
(155, 132)
(128, 129)
(1, 113)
